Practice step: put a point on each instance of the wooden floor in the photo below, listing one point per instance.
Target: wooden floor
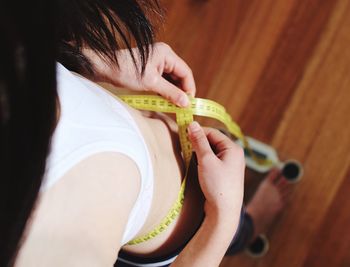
(282, 69)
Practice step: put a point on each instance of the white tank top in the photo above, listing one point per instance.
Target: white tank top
(92, 121)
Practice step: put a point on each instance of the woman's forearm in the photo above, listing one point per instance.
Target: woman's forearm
(221, 177)
(209, 245)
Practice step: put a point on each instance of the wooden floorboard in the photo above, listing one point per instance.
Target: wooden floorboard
(331, 233)
(282, 70)
(285, 67)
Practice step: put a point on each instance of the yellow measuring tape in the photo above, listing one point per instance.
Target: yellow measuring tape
(184, 116)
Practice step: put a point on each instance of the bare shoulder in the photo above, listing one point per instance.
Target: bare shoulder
(85, 212)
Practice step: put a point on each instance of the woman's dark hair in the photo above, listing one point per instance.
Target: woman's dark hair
(105, 26)
(32, 38)
(27, 113)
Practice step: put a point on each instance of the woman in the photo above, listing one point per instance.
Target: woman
(100, 144)
(104, 195)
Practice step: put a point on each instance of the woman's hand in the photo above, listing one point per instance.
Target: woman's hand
(221, 167)
(221, 174)
(163, 62)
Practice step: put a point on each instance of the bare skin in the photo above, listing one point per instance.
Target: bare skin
(268, 201)
(71, 212)
(155, 127)
(52, 219)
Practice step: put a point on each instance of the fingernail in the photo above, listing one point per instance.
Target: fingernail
(183, 101)
(194, 127)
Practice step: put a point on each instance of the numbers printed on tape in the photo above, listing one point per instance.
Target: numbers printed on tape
(184, 116)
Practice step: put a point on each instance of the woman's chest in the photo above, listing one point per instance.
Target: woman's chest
(160, 134)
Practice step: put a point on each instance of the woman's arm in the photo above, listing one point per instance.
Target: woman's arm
(221, 176)
(81, 219)
(165, 73)
(208, 246)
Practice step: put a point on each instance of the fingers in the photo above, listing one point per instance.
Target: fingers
(179, 70)
(176, 67)
(199, 142)
(164, 62)
(207, 139)
(224, 147)
(218, 139)
(171, 92)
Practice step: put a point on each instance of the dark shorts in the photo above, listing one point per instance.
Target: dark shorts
(239, 242)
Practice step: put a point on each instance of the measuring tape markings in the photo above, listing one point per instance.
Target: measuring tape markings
(184, 116)
(199, 107)
(183, 120)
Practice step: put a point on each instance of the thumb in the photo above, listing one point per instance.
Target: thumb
(172, 92)
(199, 142)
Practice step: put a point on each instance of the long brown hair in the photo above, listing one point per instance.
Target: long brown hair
(33, 36)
